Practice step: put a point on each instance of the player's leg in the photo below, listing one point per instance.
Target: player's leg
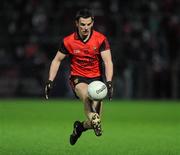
(96, 119)
(94, 108)
(97, 105)
(79, 127)
(77, 131)
(81, 92)
(91, 112)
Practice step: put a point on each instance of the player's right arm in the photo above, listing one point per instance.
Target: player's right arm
(56, 62)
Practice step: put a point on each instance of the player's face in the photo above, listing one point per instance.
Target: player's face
(84, 26)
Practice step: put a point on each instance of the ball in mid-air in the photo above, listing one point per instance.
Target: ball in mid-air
(97, 90)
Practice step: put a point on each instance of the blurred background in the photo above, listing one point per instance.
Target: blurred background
(144, 36)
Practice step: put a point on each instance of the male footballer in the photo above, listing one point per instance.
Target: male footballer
(87, 50)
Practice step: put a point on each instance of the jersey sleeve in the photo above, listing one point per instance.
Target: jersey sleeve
(105, 45)
(63, 48)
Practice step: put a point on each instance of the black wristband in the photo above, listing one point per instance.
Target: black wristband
(49, 82)
(109, 84)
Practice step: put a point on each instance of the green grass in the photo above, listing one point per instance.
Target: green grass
(38, 127)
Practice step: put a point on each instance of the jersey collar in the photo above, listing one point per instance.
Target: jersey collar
(77, 37)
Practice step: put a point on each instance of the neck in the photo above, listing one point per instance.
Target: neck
(85, 38)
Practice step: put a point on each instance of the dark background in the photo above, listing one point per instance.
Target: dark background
(144, 36)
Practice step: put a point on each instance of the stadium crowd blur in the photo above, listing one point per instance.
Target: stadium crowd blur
(144, 37)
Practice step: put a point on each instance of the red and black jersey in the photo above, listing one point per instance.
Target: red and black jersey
(85, 56)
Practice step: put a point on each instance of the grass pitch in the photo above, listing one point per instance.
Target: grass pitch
(39, 127)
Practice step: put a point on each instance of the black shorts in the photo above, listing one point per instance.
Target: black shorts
(74, 80)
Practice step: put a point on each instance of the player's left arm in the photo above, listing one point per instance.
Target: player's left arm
(107, 59)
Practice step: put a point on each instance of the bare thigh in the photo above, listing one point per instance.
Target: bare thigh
(81, 92)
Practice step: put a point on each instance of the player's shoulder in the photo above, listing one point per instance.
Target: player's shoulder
(69, 37)
(98, 34)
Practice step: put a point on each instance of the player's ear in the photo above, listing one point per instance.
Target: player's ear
(92, 23)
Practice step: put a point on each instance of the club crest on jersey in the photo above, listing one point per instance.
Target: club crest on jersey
(95, 49)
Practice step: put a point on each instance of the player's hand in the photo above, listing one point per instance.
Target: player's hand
(110, 89)
(48, 87)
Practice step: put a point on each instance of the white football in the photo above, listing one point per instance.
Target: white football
(97, 90)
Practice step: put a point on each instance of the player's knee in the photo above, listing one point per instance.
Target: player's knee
(81, 92)
(82, 95)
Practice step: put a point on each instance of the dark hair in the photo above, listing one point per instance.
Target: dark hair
(84, 13)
